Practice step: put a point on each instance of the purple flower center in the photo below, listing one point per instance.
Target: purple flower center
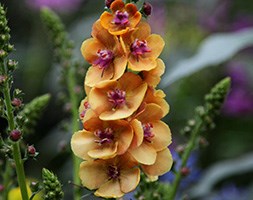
(148, 134)
(121, 18)
(105, 136)
(117, 97)
(139, 47)
(113, 172)
(105, 58)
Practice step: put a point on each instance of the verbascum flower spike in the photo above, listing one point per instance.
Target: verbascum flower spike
(62, 46)
(122, 129)
(52, 186)
(5, 46)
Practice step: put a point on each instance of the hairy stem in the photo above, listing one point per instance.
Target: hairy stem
(15, 146)
(190, 146)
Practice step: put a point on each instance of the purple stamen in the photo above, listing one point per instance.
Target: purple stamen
(86, 107)
(105, 136)
(117, 97)
(105, 58)
(148, 134)
(121, 18)
(113, 172)
(139, 47)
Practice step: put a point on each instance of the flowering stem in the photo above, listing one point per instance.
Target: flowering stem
(75, 126)
(185, 157)
(15, 146)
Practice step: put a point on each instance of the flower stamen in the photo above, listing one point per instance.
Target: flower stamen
(148, 134)
(117, 97)
(105, 58)
(139, 47)
(121, 18)
(105, 136)
(113, 172)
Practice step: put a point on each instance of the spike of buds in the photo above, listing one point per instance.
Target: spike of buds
(15, 135)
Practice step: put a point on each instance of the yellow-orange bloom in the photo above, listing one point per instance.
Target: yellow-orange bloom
(162, 164)
(154, 135)
(157, 97)
(106, 55)
(153, 77)
(142, 47)
(112, 177)
(113, 100)
(122, 18)
(102, 139)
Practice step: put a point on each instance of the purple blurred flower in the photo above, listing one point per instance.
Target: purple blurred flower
(240, 99)
(193, 176)
(59, 5)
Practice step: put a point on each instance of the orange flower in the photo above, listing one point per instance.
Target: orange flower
(153, 137)
(153, 77)
(112, 178)
(113, 100)
(102, 139)
(162, 164)
(157, 97)
(121, 19)
(105, 53)
(142, 47)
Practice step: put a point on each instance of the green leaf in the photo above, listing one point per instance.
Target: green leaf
(215, 50)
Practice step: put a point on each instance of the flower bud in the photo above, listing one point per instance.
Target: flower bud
(3, 53)
(31, 150)
(185, 171)
(2, 79)
(15, 135)
(108, 3)
(34, 186)
(11, 64)
(16, 102)
(146, 9)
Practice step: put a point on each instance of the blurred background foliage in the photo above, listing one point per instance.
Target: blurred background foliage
(221, 28)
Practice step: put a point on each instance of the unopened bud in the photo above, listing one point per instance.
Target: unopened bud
(146, 9)
(31, 150)
(15, 135)
(185, 171)
(16, 102)
(108, 3)
(12, 64)
(2, 79)
(34, 186)
(180, 149)
(3, 53)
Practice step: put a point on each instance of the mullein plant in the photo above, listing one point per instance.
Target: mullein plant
(122, 134)
(21, 120)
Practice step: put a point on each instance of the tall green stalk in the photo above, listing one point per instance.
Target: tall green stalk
(15, 146)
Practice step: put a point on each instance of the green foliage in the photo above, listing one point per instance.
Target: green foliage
(52, 186)
(151, 190)
(32, 112)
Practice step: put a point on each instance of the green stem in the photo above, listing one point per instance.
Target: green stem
(6, 180)
(16, 149)
(75, 126)
(192, 143)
